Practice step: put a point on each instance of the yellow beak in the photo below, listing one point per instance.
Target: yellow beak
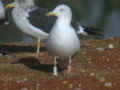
(10, 5)
(51, 14)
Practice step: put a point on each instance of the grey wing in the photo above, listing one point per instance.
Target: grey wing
(38, 18)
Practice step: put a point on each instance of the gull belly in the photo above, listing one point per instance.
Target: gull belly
(63, 41)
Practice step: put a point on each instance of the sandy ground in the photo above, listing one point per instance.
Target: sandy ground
(95, 67)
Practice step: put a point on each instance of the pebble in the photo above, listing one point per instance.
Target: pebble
(24, 89)
(70, 86)
(79, 85)
(111, 46)
(83, 70)
(100, 49)
(108, 84)
(89, 62)
(92, 74)
(108, 59)
(22, 80)
(65, 82)
(102, 79)
(89, 59)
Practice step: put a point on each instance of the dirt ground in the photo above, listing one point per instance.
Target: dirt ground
(95, 67)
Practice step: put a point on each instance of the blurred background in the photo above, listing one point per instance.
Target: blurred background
(104, 14)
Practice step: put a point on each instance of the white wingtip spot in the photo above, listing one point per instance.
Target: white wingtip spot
(81, 30)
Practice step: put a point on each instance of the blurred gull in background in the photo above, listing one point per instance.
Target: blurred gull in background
(3, 18)
(27, 17)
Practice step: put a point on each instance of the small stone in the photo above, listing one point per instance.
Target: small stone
(107, 59)
(102, 79)
(83, 70)
(18, 81)
(108, 84)
(89, 62)
(92, 74)
(65, 82)
(23, 89)
(25, 79)
(70, 86)
(79, 85)
(100, 49)
(111, 46)
(21, 80)
(89, 59)
(78, 89)
(109, 68)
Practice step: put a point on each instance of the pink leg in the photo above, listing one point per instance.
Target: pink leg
(70, 65)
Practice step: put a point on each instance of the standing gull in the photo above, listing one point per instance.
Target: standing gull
(28, 18)
(2, 14)
(31, 20)
(63, 41)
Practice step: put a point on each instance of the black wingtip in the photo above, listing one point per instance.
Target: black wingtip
(94, 31)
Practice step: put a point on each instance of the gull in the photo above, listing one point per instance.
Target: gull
(3, 18)
(32, 20)
(27, 17)
(63, 41)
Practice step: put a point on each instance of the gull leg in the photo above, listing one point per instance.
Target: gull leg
(55, 69)
(70, 65)
(38, 47)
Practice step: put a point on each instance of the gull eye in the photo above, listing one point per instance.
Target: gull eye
(61, 9)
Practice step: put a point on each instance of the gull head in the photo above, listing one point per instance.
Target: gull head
(21, 4)
(11, 5)
(61, 11)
